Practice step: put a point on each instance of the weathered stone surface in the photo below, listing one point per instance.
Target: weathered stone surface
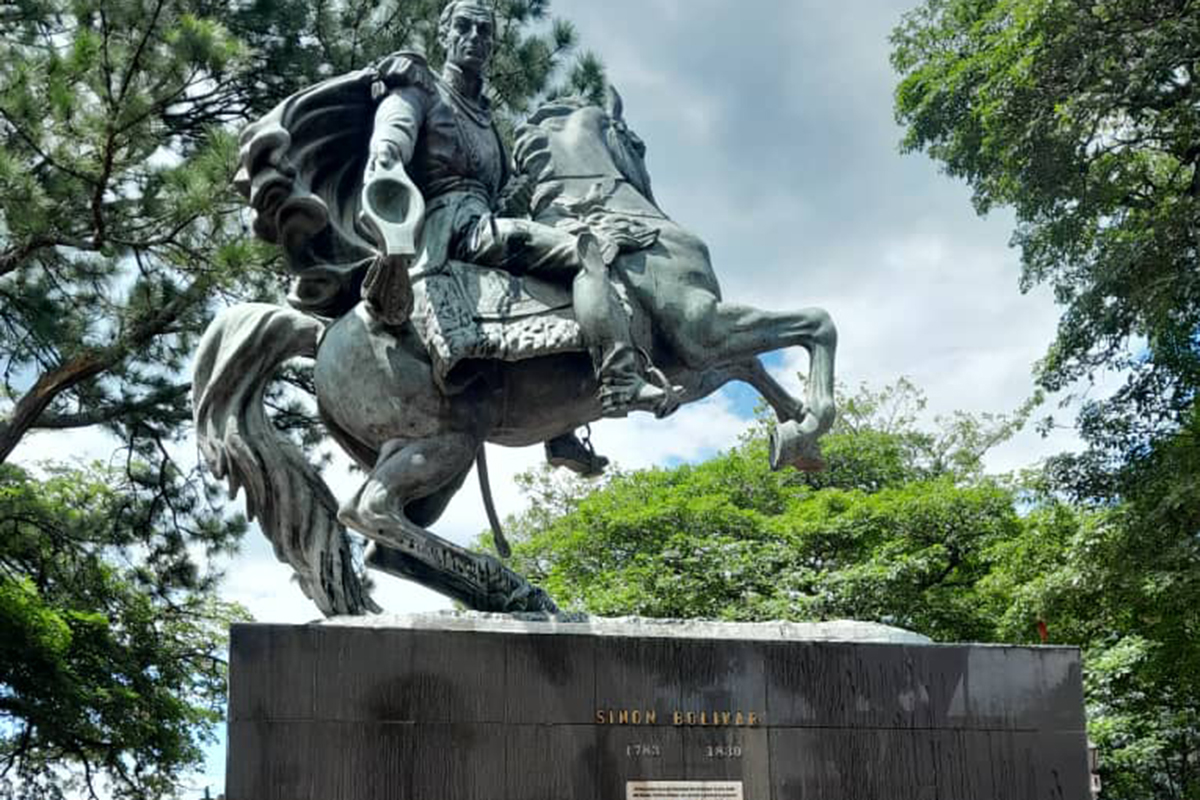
(450, 706)
(637, 627)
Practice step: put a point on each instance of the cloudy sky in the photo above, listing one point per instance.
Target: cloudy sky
(770, 134)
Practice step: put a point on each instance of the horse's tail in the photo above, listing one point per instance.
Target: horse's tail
(238, 356)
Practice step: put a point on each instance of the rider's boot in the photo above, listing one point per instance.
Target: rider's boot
(624, 389)
(621, 368)
(567, 451)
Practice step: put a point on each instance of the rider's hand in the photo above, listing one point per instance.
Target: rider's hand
(384, 156)
(517, 196)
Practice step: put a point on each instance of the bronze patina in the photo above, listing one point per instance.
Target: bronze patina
(453, 297)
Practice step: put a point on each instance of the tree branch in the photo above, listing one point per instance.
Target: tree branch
(33, 145)
(89, 364)
(134, 63)
(12, 259)
(113, 411)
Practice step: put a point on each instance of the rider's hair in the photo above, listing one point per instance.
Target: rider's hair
(448, 15)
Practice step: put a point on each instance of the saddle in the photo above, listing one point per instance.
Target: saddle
(466, 312)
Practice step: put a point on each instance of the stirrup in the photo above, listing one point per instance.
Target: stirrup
(674, 393)
(619, 399)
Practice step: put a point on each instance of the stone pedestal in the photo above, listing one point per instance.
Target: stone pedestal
(470, 707)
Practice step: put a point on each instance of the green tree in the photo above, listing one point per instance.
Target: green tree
(111, 641)
(906, 528)
(1132, 584)
(901, 528)
(120, 234)
(119, 228)
(1083, 118)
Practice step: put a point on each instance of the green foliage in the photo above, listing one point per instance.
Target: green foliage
(111, 641)
(901, 528)
(906, 528)
(1083, 118)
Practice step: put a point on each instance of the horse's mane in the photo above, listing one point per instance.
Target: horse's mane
(558, 107)
(532, 151)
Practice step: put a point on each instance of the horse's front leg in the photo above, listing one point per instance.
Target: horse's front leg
(699, 385)
(781, 401)
(714, 332)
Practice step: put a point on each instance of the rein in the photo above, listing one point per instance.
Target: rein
(597, 176)
(617, 180)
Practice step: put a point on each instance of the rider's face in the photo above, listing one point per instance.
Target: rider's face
(468, 42)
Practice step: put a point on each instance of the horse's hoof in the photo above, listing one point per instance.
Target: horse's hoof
(535, 600)
(791, 446)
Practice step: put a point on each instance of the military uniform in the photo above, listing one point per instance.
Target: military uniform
(453, 153)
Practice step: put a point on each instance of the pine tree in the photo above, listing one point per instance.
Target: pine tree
(120, 234)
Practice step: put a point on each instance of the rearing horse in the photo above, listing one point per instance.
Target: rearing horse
(382, 402)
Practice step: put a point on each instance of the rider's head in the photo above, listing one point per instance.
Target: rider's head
(466, 30)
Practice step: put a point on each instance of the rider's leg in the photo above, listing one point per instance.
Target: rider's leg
(525, 247)
(605, 326)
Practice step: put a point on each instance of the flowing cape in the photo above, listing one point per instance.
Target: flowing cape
(301, 168)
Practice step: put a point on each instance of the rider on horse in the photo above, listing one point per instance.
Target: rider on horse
(435, 134)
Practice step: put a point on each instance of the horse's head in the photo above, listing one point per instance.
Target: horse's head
(571, 138)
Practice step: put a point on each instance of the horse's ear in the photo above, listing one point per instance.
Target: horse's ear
(613, 103)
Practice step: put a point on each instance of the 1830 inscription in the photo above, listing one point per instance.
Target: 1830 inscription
(719, 750)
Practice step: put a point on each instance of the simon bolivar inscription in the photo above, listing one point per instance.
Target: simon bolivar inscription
(711, 718)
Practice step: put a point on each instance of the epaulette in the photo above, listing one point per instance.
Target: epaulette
(404, 68)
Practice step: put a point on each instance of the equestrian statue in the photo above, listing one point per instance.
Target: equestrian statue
(450, 297)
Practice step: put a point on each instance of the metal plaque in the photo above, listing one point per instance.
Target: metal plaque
(683, 790)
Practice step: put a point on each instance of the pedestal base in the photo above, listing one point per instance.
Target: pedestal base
(471, 707)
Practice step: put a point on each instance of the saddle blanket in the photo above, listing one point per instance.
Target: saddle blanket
(465, 311)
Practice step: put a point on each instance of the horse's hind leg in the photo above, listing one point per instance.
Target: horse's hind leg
(406, 472)
(413, 479)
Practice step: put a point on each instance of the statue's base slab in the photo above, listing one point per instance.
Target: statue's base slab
(480, 707)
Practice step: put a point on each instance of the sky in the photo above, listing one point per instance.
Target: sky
(770, 134)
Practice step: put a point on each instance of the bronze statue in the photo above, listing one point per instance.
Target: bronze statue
(451, 300)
